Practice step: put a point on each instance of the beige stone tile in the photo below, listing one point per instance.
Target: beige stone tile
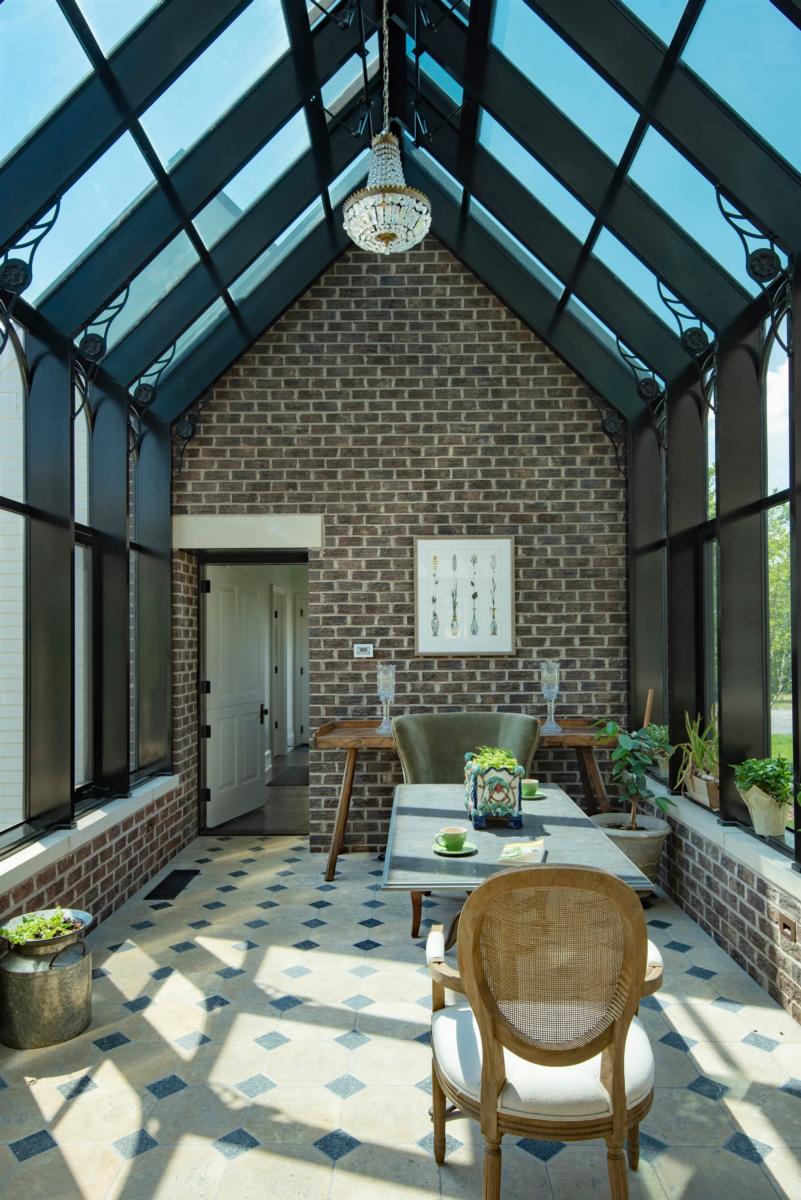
(297, 1062)
(767, 1114)
(53, 1063)
(405, 1062)
(739, 1065)
(580, 1171)
(294, 1172)
(523, 1177)
(706, 1022)
(683, 1118)
(101, 1115)
(693, 1173)
(192, 1170)
(783, 1168)
(197, 1111)
(394, 1172)
(70, 1172)
(387, 1115)
(291, 1115)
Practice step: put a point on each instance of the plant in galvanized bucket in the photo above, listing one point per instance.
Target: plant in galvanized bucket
(41, 927)
(493, 786)
(766, 786)
(639, 836)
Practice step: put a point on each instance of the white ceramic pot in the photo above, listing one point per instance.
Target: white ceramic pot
(767, 816)
(643, 846)
(704, 791)
(663, 765)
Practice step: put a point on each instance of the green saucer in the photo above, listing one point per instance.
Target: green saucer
(534, 796)
(467, 849)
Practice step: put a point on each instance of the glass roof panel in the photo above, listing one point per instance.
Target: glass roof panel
(213, 83)
(347, 82)
(436, 73)
(536, 178)
(204, 324)
(41, 62)
(316, 11)
(558, 71)
(516, 249)
(152, 284)
(751, 55)
(634, 273)
(258, 175)
(661, 16)
(598, 328)
(112, 20)
(689, 198)
(354, 175)
(275, 254)
(437, 172)
(89, 210)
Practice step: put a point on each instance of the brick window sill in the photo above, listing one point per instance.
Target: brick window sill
(760, 857)
(34, 857)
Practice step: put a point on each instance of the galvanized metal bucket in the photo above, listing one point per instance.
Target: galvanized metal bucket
(46, 988)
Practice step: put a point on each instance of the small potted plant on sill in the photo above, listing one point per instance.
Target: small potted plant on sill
(699, 773)
(639, 836)
(660, 740)
(45, 979)
(766, 786)
(493, 786)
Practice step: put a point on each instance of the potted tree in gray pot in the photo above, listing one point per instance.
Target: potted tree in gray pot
(638, 835)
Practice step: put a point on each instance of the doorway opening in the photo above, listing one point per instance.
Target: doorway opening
(255, 694)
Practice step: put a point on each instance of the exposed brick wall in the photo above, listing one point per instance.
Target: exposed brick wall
(403, 399)
(101, 875)
(737, 908)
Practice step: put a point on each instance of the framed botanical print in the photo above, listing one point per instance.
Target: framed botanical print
(464, 595)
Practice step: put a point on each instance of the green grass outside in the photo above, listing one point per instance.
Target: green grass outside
(782, 744)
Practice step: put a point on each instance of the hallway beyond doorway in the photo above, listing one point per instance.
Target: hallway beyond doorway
(286, 807)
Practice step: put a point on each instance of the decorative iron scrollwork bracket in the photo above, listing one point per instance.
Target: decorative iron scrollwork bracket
(16, 270)
(184, 430)
(762, 262)
(613, 427)
(650, 389)
(144, 397)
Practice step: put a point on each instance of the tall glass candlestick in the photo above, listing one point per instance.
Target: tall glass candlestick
(386, 693)
(549, 677)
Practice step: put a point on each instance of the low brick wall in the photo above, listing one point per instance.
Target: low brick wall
(101, 875)
(738, 908)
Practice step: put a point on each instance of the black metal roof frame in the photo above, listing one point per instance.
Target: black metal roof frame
(606, 34)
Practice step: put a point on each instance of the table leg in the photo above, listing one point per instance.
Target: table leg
(343, 808)
(591, 781)
(417, 912)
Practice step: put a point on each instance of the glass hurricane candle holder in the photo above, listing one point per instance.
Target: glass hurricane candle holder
(549, 678)
(386, 693)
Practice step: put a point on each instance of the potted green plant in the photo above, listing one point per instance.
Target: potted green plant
(639, 836)
(45, 979)
(766, 786)
(660, 740)
(493, 786)
(699, 772)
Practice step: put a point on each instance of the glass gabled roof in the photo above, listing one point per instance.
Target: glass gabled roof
(585, 152)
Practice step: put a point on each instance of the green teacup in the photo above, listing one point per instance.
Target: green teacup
(451, 837)
(531, 788)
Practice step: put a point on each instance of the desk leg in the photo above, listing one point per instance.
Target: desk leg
(591, 781)
(343, 808)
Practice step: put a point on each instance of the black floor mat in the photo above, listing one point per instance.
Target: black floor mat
(171, 885)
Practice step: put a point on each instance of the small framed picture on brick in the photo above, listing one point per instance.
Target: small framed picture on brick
(464, 595)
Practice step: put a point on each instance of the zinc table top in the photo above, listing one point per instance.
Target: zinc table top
(420, 810)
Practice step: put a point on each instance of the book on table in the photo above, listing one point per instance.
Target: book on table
(523, 854)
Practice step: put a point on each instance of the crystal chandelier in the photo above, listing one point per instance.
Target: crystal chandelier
(386, 217)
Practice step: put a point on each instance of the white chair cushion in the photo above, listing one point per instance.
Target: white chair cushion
(542, 1093)
(654, 956)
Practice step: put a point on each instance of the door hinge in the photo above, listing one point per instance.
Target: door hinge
(205, 794)
(205, 585)
(205, 686)
(275, 668)
(276, 614)
(205, 731)
(301, 670)
(276, 724)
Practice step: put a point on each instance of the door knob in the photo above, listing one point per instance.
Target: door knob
(263, 711)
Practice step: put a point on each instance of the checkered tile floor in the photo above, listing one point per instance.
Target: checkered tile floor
(266, 1034)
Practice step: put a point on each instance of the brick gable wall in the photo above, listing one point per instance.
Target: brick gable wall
(398, 399)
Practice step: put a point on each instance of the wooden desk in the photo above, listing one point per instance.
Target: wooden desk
(353, 736)
(350, 736)
(580, 735)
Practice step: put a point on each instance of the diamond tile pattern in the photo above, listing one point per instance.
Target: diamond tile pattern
(225, 1067)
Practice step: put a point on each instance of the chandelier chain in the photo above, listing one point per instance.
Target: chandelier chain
(385, 64)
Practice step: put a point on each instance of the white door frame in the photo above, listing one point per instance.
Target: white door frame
(278, 670)
(300, 668)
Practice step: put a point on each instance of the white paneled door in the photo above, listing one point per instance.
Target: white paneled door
(236, 610)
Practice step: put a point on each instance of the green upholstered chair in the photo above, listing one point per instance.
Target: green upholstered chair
(432, 746)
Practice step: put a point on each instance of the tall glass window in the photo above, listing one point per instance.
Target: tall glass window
(82, 773)
(81, 461)
(12, 586)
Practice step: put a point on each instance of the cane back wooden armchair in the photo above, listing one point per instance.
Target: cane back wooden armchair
(552, 963)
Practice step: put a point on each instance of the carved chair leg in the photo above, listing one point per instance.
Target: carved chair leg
(438, 1116)
(618, 1177)
(633, 1147)
(492, 1170)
